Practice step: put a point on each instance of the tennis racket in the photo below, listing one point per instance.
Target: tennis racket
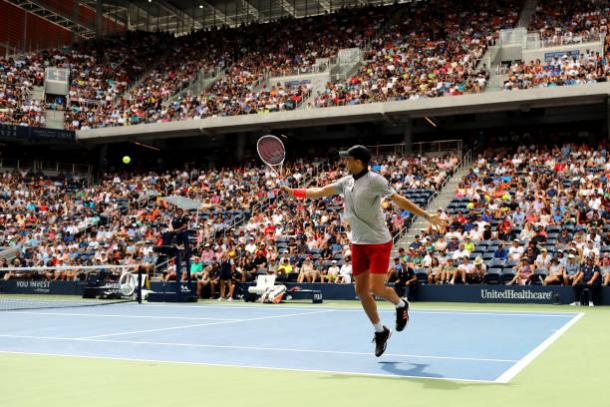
(272, 152)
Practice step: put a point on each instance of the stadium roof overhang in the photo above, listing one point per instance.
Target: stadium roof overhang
(394, 112)
(184, 16)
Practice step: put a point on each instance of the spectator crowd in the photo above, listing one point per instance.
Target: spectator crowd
(416, 50)
(241, 222)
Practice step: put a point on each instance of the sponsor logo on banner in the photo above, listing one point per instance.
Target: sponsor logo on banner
(36, 286)
(510, 294)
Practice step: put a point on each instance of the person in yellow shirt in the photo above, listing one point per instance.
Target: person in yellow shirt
(284, 269)
(469, 245)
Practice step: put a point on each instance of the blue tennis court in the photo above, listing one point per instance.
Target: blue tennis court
(452, 345)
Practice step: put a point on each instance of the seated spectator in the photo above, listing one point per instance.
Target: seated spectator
(434, 271)
(555, 274)
(308, 272)
(476, 274)
(590, 250)
(332, 273)
(543, 260)
(284, 270)
(405, 283)
(516, 251)
(447, 271)
(571, 269)
(345, 273)
(564, 238)
(462, 270)
(210, 278)
(524, 272)
(500, 253)
(589, 278)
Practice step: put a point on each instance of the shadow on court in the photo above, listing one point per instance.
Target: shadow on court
(406, 371)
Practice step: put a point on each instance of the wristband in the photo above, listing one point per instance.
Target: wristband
(299, 193)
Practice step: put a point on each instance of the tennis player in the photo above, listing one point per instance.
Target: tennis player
(371, 242)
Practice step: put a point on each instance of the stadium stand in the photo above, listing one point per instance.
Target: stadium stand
(569, 22)
(421, 49)
(560, 71)
(515, 208)
(63, 221)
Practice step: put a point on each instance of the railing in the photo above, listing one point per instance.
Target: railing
(465, 161)
(302, 70)
(421, 148)
(535, 42)
(49, 166)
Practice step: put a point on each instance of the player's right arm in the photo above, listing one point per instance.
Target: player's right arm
(311, 193)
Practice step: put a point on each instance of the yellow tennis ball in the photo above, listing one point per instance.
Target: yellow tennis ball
(126, 159)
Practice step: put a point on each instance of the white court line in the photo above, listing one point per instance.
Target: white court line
(122, 316)
(339, 372)
(527, 359)
(207, 324)
(255, 348)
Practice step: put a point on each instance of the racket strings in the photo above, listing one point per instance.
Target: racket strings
(271, 150)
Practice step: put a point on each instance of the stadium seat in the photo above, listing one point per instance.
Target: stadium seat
(493, 275)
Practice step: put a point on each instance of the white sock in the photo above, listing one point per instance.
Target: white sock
(401, 303)
(378, 327)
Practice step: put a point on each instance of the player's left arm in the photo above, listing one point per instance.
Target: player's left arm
(406, 203)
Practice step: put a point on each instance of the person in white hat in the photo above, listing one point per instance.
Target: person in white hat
(476, 274)
(345, 273)
(332, 272)
(571, 268)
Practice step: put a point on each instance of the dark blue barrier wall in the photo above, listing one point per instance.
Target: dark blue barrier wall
(41, 287)
(455, 293)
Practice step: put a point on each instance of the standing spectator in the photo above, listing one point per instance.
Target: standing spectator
(225, 269)
(605, 268)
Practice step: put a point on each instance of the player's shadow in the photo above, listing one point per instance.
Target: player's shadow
(417, 373)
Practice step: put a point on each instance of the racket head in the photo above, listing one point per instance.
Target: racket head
(271, 151)
(127, 284)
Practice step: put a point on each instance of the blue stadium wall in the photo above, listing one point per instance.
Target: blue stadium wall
(457, 293)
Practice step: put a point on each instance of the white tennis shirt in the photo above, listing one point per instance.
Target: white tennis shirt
(362, 207)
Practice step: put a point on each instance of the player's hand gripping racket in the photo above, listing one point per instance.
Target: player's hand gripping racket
(271, 150)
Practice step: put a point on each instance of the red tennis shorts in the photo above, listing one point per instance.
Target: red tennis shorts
(374, 258)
